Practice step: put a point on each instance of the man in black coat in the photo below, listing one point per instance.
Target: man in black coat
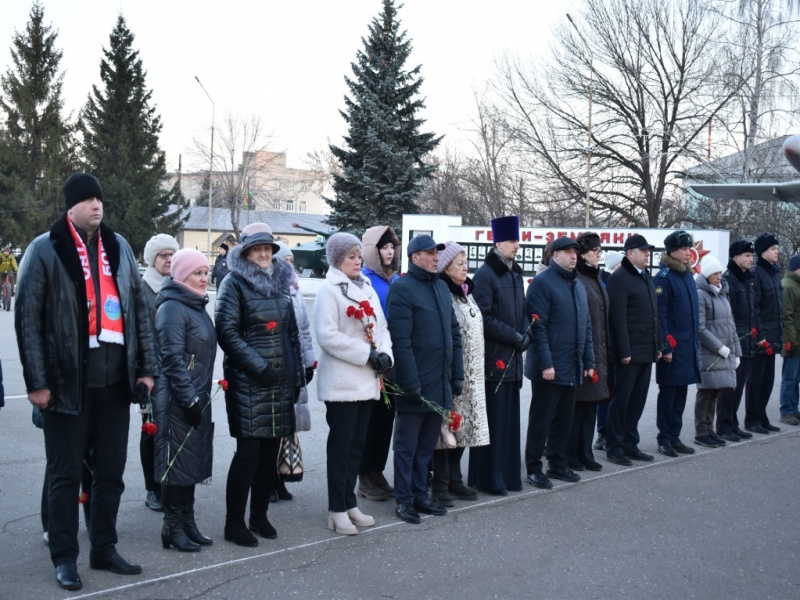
(428, 363)
(85, 341)
(500, 295)
(220, 269)
(742, 290)
(558, 360)
(635, 344)
(769, 307)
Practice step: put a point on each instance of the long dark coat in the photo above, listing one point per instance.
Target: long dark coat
(426, 339)
(769, 303)
(742, 286)
(187, 345)
(678, 313)
(562, 337)
(500, 295)
(633, 315)
(249, 301)
(597, 299)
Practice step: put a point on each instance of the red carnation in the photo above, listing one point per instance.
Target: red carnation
(359, 314)
(223, 383)
(769, 351)
(595, 377)
(788, 346)
(500, 364)
(351, 310)
(671, 341)
(149, 428)
(315, 364)
(83, 498)
(753, 332)
(368, 310)
(271, 326)
(534, 317)
(454, 420)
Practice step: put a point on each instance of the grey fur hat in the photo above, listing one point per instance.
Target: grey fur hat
(338, 246)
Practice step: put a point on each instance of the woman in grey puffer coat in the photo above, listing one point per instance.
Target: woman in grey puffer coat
(719, 349)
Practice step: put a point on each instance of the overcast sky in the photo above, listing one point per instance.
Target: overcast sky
(286, 61)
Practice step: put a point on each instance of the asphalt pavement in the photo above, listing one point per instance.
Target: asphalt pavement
(722, 523)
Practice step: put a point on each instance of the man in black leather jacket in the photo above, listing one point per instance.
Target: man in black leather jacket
(85, 342)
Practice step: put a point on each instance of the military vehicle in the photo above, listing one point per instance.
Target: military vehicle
(309, 258)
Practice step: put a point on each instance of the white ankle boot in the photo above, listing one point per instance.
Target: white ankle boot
(339, 522)
(359, 518)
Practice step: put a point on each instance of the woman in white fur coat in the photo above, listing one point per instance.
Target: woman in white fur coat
(355, 349)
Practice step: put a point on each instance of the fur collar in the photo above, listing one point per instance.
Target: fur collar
(674, 265)
(628, 266)
(66, 251)
(499, 267)
(455, 288)
(276, 283)
(738, 272)
(337, 277)
(586, 269)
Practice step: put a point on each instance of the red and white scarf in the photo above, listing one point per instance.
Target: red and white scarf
(111, 327)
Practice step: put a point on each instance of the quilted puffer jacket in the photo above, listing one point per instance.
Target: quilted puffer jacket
(256, 328)
(187, 345)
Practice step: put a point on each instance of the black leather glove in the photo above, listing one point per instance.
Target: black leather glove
(522, 342)
(194, 412)
(374, 360)
(415, 396)
(457, 386)
(269, 376)
(386, 363)
(140, 395)
(309, 374)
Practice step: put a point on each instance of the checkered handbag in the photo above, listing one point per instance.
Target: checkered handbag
(290, 459)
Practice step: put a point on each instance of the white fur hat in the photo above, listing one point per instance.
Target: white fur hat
(157, 243)
(710, 265)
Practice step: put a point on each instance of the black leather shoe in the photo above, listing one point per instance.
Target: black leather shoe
(115, 563)
(718, 440)
(707, 441)
(742, 434)
(540, 481)
(443, 498)
(576, 466)
(757, 428)
(563, 474)
(263, 527)
(68, 578)
(463, 492)
(599, 443)
(731, 437)
(770, 427)
(682, 448)
(406, 512)
(153, 502)
(429, 507)
(636, 454)
(667, 450)
(593, 465)
(619, 459)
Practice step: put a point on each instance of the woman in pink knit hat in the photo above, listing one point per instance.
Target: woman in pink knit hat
(187, 345)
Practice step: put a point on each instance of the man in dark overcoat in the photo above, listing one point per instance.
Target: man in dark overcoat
(428, 367)
(500, 295)
(679, 317)
(742, 290)
(769, 306)
(559, 359)
(635, 344)
(85, 341)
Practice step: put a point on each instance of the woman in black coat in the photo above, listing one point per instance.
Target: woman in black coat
(181, 403)
(257, 331)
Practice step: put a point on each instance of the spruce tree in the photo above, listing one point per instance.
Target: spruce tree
(383, 162)
(36, 143)
(120, 145)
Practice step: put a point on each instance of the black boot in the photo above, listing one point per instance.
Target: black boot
(236, 492)
(172, 533)
(280, 489)
(189, 526)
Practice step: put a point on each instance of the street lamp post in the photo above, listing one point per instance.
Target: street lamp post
(589, 144)
(210, 167)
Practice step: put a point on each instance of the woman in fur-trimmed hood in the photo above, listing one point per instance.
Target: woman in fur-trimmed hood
(257, 330)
